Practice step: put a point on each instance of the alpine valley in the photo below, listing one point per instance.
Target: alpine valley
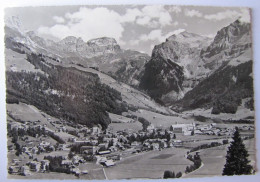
(123, 102)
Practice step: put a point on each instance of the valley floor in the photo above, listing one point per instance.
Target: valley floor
(144, 164)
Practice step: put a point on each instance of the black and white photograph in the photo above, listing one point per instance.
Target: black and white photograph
(112, 92)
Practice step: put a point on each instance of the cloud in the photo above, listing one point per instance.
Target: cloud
(58, 19)
(175, 23)
(82, 24)
(192, 13)
(157, 35)
(154, 16)
(222, 15)
(175, 9)
(243, 15)
(91, 23)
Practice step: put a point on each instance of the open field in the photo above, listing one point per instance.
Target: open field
(115, 118)
(160, 120)
(149, 164)
(214, 160)
(17, 62)
(25, 112)
(241, 113)
(130, 127)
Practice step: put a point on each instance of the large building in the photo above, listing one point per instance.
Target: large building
(183, 128)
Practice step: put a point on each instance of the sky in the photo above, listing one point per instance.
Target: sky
(137, 27)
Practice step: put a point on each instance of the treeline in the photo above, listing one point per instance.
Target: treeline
(33, 132)
(205, 146)
(170, 174)
(65, 93)
(196, 163)
(56, 164)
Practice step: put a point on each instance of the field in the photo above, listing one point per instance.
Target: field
(130, 127)
(149, 164)
(17, 62)
(25, 112)
(214, 160)
(160, 120)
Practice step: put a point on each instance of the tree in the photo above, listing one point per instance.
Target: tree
(178, 175)
(173, 174)
(167, 174)
(236, 158)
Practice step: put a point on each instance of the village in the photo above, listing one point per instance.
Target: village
(57, 146)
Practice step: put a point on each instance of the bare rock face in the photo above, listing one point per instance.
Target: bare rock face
(230, 42)
(178, 62)
(230, 83)
(92, 48)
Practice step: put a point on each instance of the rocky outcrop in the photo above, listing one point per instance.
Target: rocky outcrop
(230, 42)
(178, 62)
(229, 59)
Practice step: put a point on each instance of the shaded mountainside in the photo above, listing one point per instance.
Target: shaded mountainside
(200, 74)
(223, 91)
(174, 63)
(65, 93)
(160, 77)
(229, 57)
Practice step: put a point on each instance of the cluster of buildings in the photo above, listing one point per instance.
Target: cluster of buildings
(31, 166)
(198, 129)
(105, 148)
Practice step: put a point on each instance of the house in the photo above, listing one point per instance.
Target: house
(77, 159)
(72, 139)
(90, 150)
(187, 132)
(181, 128)
(150, 127)
(198, 132)
(205, 127)
(112, 149)
(44, 144)
(177, 143)
(155, 146)
(35, 166)
(34, 150)
(108, 163)
(84, 172)
(104, 152)
(96, 130)
(135, 143)
(13, 169)
(75, 171)
(66, 163)
(103, 145)
(15, 162)
(25, 171)
(45, 165)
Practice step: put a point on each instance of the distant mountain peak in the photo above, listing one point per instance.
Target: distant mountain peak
(102, 41)
(14, 22)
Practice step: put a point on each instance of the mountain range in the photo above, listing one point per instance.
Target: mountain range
(185, 72)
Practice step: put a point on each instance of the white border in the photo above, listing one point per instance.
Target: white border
(254, 4)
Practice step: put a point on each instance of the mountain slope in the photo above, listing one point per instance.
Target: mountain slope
(229, 57)
(173, 66)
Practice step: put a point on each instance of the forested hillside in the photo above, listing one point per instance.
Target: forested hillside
(66, 93)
